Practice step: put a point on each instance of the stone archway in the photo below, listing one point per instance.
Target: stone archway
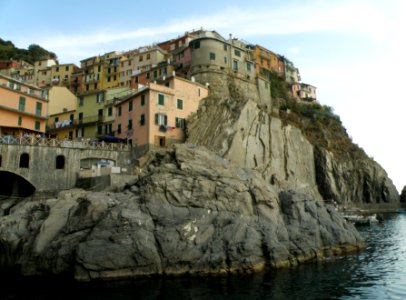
(13, 185)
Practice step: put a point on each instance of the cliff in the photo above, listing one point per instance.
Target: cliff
(294, 146)
(189, 212)
(246, 192)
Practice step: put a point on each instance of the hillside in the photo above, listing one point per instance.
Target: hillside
(34, 52)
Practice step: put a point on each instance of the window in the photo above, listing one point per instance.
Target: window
(248, 67)
(109, 128)
(237, 52)
(71, 118)
(142, 100)
(130, 124)
(161, 99)
(147, 75)
(161, 119)
(80, 116)
(180, 123)
(142, 119)
(119, 111)
(180, 104)
(57, 69)
(196, 45)
(67, 68)
(155, 74)
(141, 58)
(24, 160)
(110, 111)
(20, 120)
(148, 56)
(60, 162)
(38, 109)
(119, 128)
(99, 129)
(212, 56)
(130, 105)
(225, 60)
(80, 100)
(21, 104)
(225, 47)
(235, 65)
(37, 125)
(108, 79)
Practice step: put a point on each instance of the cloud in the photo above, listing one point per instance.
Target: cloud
(348, 16)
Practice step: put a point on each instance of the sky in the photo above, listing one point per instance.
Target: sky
(353, 51)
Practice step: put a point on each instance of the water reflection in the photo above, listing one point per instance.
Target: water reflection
(378, 272)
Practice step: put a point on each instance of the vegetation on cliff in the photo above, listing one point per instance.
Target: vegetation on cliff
(34, 52)
(317, 122)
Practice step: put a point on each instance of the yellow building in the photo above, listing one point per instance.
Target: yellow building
(62, 74)
(62, 125)
(42, 72)
(93, 72)
(61, 99)
(111, 78)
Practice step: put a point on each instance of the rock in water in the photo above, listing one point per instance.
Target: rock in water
(193, 212)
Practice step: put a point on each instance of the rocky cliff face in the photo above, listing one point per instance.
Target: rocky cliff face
(247, 129)
(190, 212)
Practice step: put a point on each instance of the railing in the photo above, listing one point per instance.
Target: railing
(52, 142)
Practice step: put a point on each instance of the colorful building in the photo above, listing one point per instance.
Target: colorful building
(93, 73)
(23, 108)
(216, 54)
(62, 125)
(155, 115)
(60, 100)
(304, 92)
(266, 61)
(61, 75)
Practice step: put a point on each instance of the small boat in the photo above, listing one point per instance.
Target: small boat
(401, 211)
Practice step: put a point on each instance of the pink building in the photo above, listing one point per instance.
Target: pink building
(155, 115)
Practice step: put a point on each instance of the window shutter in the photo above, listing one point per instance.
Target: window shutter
(156, 118)
(166, 120)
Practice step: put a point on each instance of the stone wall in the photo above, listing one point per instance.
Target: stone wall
(42, 172)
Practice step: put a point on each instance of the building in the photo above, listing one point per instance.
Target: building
(159, 71)
(213, 53)
(42, 72)
(111, 72)
(290, 72)
(95, 112)
(23, 108)
(60, 100)
(304, 92)
(155, 115)
(61, 75)
(62, 125)
(141, 60)
(93, 73)
(266, 61)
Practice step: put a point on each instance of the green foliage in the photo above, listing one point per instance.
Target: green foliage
(320, 125)
(30, 55)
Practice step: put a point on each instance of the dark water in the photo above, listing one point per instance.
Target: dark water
(378, 272)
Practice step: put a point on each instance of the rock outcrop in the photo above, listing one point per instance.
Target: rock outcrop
(190, 212)
(241, 127)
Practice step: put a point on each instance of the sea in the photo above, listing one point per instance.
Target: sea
(376, 272)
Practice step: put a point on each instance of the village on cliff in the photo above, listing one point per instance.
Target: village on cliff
(142, 96)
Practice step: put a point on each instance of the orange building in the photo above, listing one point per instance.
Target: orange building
(23, 108)
(266, 61)
(155, 115)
